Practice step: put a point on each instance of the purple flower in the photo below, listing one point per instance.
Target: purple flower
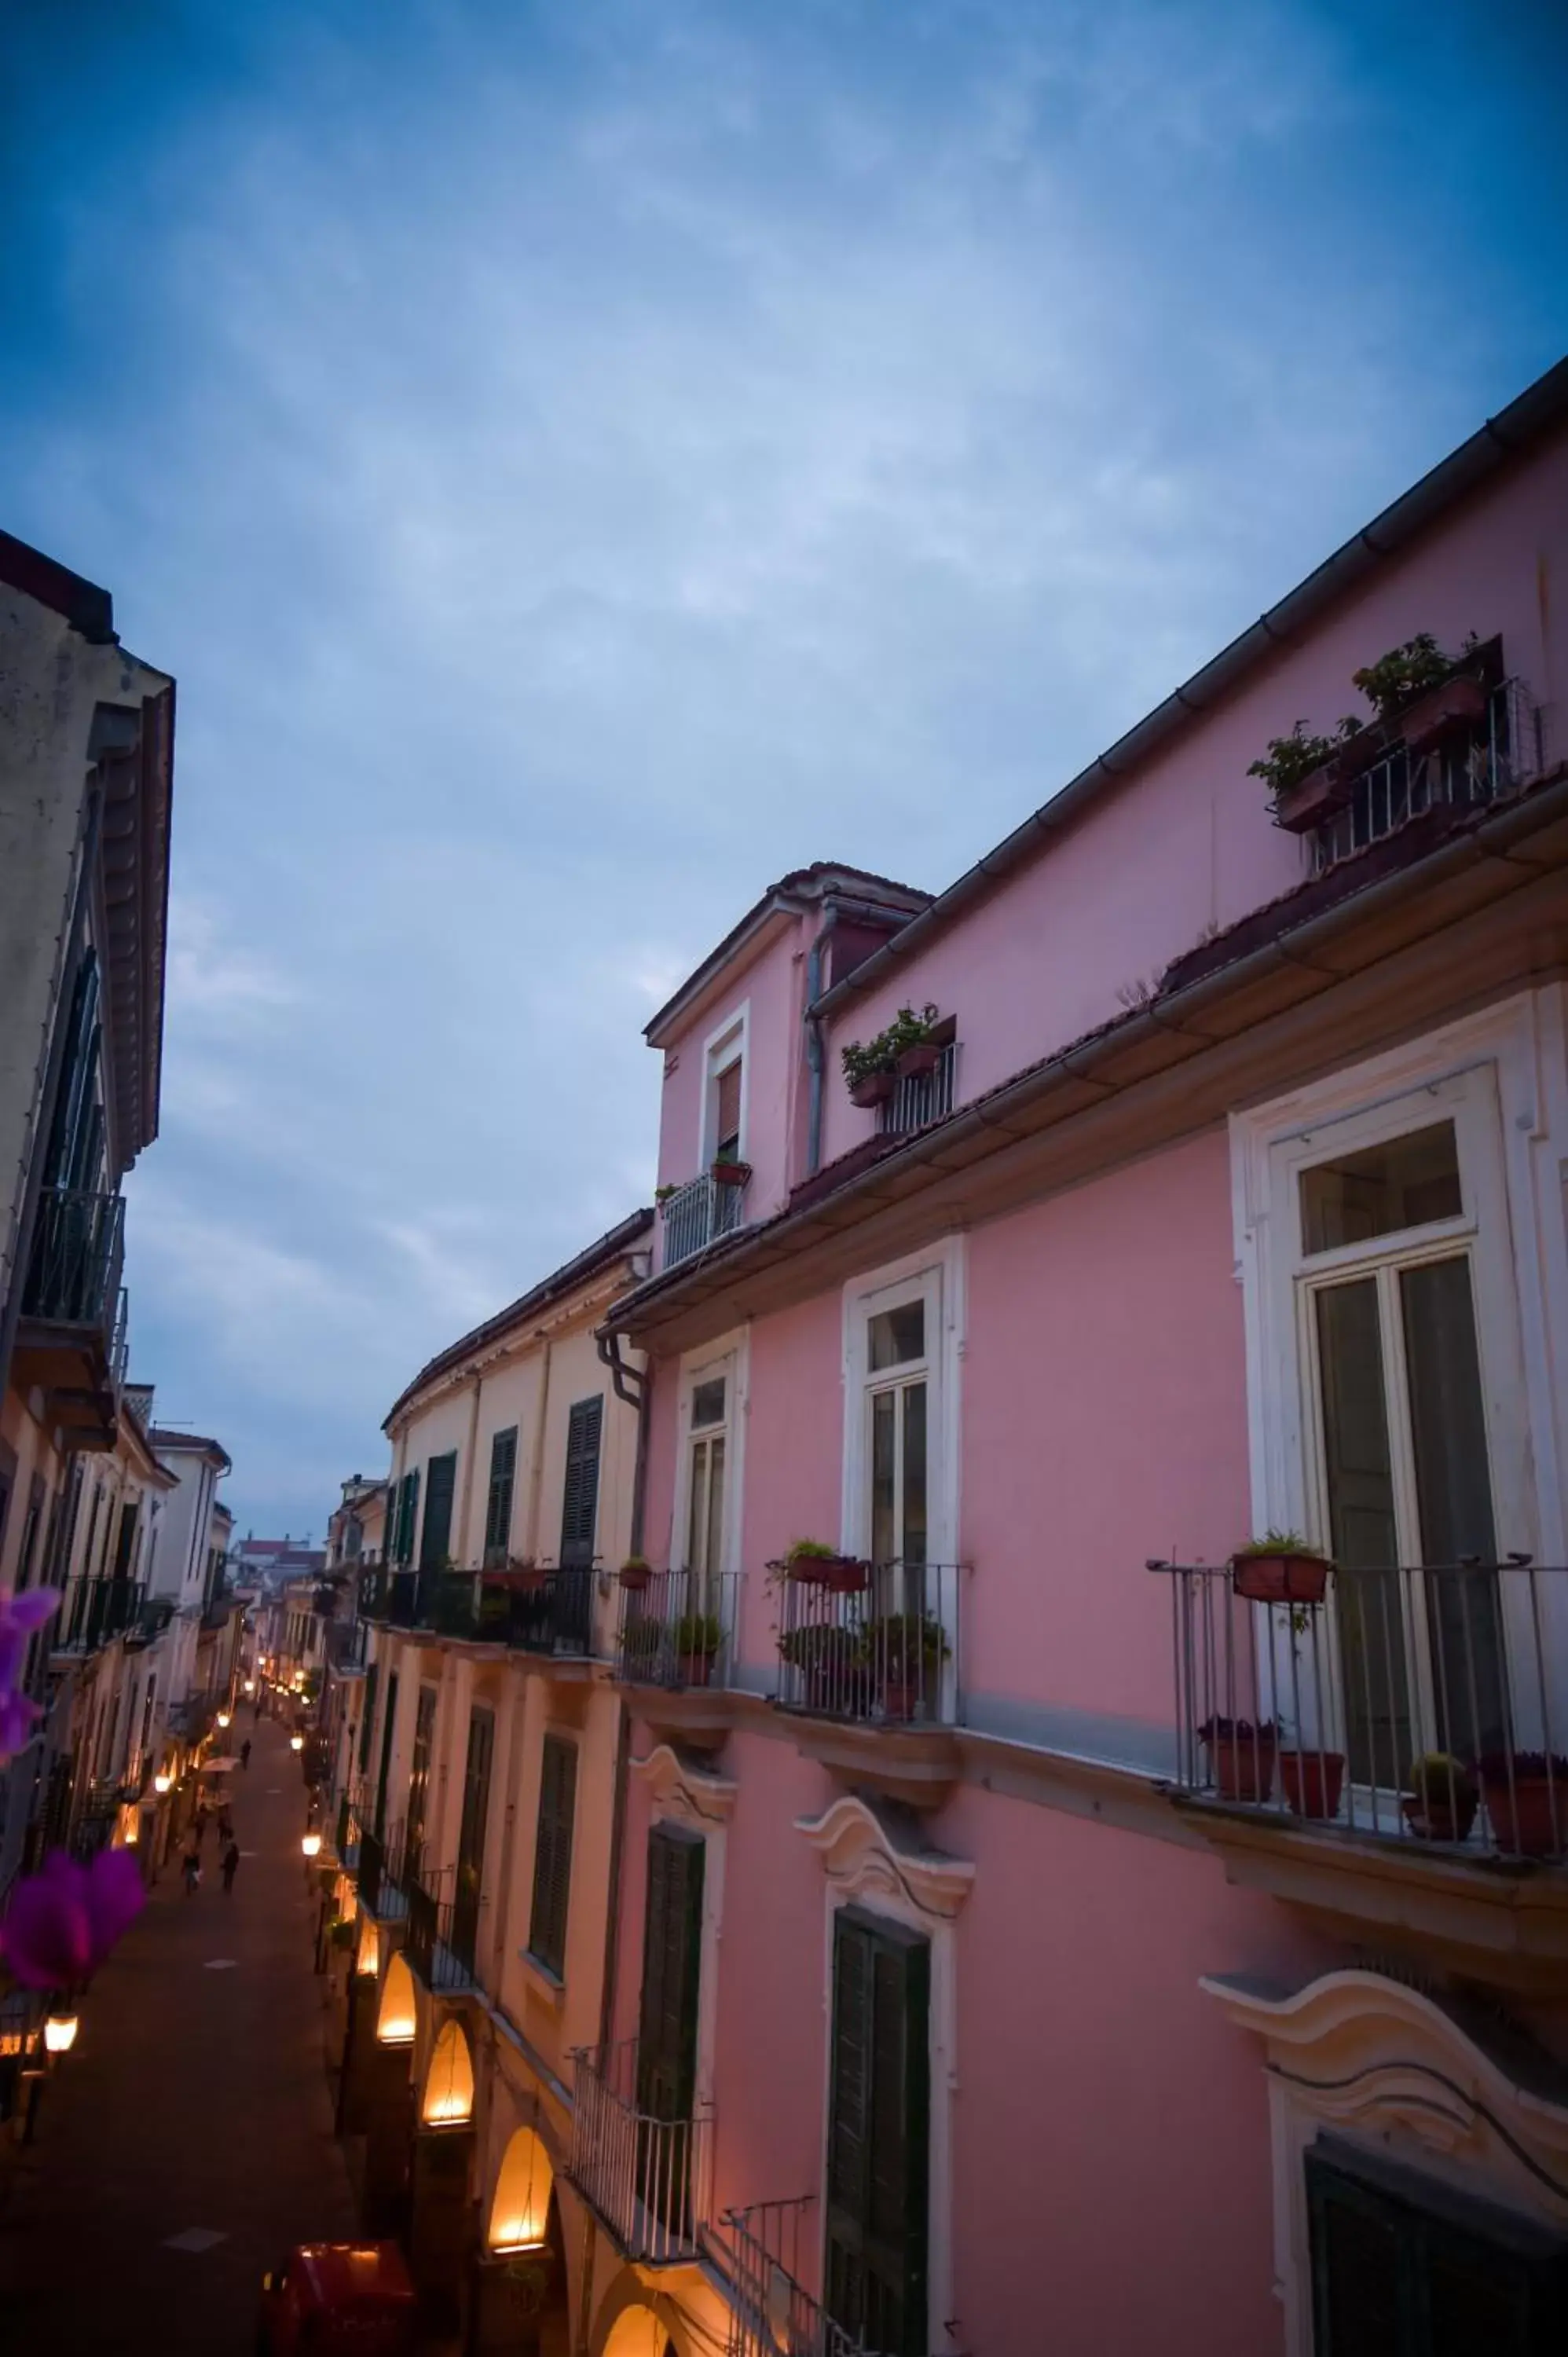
(63, 1920)
(20, 1616)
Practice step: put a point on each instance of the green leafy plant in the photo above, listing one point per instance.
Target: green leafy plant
(1406, 671)
(811, 1551)
(908, 1029)
(695, 1635)
(822, 1646)
(662, 1194)
(1281, 1542)
(898, 1644)
(641, 1638)
(861, 1062)
(1438, 1779)
(1291, 758)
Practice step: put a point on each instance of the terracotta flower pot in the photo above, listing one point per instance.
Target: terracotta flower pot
(635, 1576)
(1279, 1578)
(1299, 808)
(695, 1668)
(916, 1061)
(1243, 1766)
(874, 1090)
(730, 1174)
(1457, 704)
(901, 1698)
(1312, 1780)
(1432, 1819)
(1521, 1814)
(841, 1574)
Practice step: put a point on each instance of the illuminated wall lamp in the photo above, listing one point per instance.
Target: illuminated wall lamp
(162, 1783)
(297, 1742)
(224, 1716)
(311, 1844)
(60, 2033)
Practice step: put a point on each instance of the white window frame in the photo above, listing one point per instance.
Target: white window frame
(730, 1357)
(937, 1277)
(728, 1043)
(1502, 1075)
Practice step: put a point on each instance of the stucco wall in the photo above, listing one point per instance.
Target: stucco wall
(771, 986)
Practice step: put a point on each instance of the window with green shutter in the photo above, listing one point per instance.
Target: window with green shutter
(497, 1503)
(440, 1486)
(419, 1776)
(879, 2133)
(405, 1518)
(552, 1854)
(580, 1504)
(1406, 2266)
(388, 1730)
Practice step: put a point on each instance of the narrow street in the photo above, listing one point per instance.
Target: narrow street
(187, 2143)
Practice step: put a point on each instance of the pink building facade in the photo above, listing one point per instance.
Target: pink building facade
(1028, 1939)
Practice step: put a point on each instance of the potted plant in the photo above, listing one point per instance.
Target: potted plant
(1442, 1802)
(662, 1194)
(1312, 1778)
(1240, 1757)
(909, 1035)
(1281, 1567)
(728, 1172)
(868, 1072)
(1428, 693)
(1309, 775)
(829, 1659)
(521, 1571)
(695, 1641)
(1527, 1801)
(641, 1642)
(904, 1652)
(636, 1573)
(814, 1564)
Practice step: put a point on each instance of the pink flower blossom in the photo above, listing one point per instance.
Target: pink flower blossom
(63, 1920)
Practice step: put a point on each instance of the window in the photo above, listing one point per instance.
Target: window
(724, 1104)
(74, 1156)
(897, 1400)
(472, 1829)
(1404, 2267)
(388, 1728)
(726, 1113)
(126, 1539)
(419, 1776)
(440, 1486)
(405, 1517)
(707, 1451)
(552, 1854)
(498, 1502)
(580, 1501)
(672, 1969)
(878, 2133)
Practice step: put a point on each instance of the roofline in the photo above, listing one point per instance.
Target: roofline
(1526, 420)
(162, 1438)
(566, 1279)
(790, 896)
(87, 608)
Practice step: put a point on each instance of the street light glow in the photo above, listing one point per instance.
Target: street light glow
(60, 2033)
(311, 1844)
(162, 1783)
(223, 1717)
(297, 1742)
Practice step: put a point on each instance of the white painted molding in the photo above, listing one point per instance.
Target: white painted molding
(861, 1859)
(1367, 2057)
(688, 1794)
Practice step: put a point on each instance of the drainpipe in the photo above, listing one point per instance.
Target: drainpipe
(632, 1387)
(536, 1469)
(814, 1050)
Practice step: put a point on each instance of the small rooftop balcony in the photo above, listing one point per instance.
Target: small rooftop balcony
(700, 1212)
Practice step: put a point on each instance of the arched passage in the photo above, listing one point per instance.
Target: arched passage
(450, 2083)
(637, 2332)
(398, 2018)
(519, 2212)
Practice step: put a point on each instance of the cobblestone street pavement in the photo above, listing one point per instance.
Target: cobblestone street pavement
(187, 2142)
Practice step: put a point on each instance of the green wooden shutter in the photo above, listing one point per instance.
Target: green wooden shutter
(553, 1853)
(1404, 2265)
(367, 1721)
(385, 1770)
(580, 1503)
(419, 1776)
(671, 1968)
(407, 1516)
(879, 2133)
(440, 1486)
(497, 1504)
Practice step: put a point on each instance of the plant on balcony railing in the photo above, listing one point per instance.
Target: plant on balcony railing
(1281, 1567)
(875, 1645)
(903, 1051)
(694, 1640)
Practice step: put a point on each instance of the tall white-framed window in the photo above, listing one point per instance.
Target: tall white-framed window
(726, 1092)
(1399, 1285)
(704, 1536)
(903, 1341)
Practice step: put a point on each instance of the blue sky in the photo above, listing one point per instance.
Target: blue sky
(582, 459)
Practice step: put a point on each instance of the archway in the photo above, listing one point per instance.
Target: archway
(399, 2018)
(638, 2332)
(519, 2212)
(450, 2083)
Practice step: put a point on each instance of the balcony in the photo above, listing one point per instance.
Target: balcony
(697, 1215)
(647, 2178)
(387, 1870)
(546, 1610)
(884, 1651)
(442, 1932)
(71, 1340)
(921, 1097)
(1482, 762)
(1424, 1705)
(678, 1630)
(764, 2253)
(95, 1612)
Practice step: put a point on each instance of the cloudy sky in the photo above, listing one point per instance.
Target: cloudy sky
(583, 457)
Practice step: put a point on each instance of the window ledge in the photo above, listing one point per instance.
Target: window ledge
(541, 1979)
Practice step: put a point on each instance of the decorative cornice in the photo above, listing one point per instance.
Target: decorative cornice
(1360, 2049)
(682, 1788)
(863, 1852)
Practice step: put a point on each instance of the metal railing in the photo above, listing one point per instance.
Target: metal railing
(346, 1645)
(695, 1215)
(1495, 757)
(444, 1934)
(647, 2178)
(79, 1243)
(95, 1611)
(876, 1641)
(921, 1097)
(548, 1610)
(771, 2314)
(1422, 1702)
(388, 1868)
(678, 1630)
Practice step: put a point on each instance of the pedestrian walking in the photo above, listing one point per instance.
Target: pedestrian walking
(190, 1867)
(245, 1752)
(231, 1866)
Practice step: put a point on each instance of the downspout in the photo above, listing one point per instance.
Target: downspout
(814, 1050)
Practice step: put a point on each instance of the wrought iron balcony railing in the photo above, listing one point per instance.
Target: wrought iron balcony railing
(648, 2178)
(881, 1643)
(763, 2253)
(677, 1629)
(1426, 1702)
(443, 1931)
(697, 1215)
(1485, 762)
(389, 1867)
(95, 1611)
(78, 1242)
(921, 1097)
